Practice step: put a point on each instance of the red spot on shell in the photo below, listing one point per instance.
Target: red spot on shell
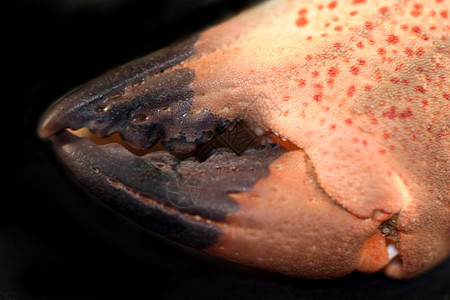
(351, 91)
(367, 87)
(315, 74)
(332, 4)
(416, 29)
(418, 6)
(333, 72)
(361, 62)
(358, 1)
(420, 89)
(349, 121)
(318, 86)
(399, 67)
(337, 45)
(317, 97)
(383, 10)
(409, 51)
(381, 51)
(382, 151)
(444, 14)
(395, 80)
(392, 39)
(369, 25)
(415, 13)
(353, 13)
(302, 21)
(354, 70)
(406, 113)
(446, 96)
(386, 136)
(359, 45)
(333, 126)
(303, 11)
(391, 114)
(301, 83)
(338, 28)
(420, 51)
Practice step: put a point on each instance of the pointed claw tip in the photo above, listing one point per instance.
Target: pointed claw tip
(50, 122)
(44, 130)
(74, 109)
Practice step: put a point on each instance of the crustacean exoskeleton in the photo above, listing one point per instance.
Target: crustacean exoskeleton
(336, 117)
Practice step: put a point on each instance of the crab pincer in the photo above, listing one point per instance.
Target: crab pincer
(309, 139)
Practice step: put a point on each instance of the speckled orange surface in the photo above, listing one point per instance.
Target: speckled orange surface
(362, 87)
(358, 91)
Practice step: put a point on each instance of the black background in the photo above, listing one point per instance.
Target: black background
(55, 243)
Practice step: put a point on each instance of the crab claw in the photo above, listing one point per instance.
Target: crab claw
(344, 165)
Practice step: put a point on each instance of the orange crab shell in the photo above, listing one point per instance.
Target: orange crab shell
(360, 92)
(362, 87)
